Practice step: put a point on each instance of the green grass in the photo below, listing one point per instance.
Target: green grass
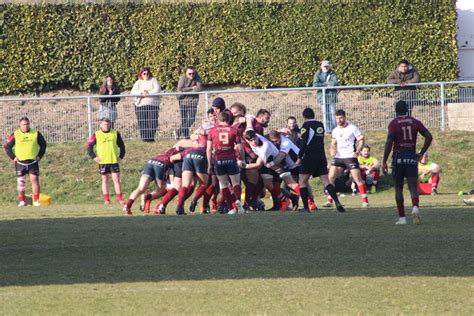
(85, 259)
(80, 257)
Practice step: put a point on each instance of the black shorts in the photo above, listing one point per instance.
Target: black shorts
(156, 170)
(195, 161)
(109, 168)
(177, 168)
(26, 167)
(314, 165)
(346, 163)
(226, 167)
(405, 165)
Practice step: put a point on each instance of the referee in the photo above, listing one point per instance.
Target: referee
(25, 147)
(313, 159)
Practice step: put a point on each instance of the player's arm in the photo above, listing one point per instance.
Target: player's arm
(209, 156)
(360, 143)
(428, 139)
(304, 140)
(333, 147)
(8, 146)
(121, 146)
(42, 146)
(276, 162)
(386, 152)
(90, 146)
(255, 165)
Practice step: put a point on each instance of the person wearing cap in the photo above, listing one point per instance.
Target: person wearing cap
(189, 82)
(326, 77)
(402, 75)
(25, 147)
(109, 150)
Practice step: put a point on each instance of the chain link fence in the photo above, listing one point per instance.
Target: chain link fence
(446, 105)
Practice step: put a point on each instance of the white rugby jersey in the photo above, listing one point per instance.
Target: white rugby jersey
(346, 138)
(291, 151)
(266, 150)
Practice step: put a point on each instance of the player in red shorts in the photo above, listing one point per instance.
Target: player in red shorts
(402, 134)
(222, 140)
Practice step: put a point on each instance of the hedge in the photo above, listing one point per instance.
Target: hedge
(257, 44)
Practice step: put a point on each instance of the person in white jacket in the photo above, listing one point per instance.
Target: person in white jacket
(147, 107)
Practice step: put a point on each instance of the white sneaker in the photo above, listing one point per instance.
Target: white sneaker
(21, 204)
(365, 204)
(401, 221)
(232, 212)
(36, 203)
(415, 214)
(240, 208)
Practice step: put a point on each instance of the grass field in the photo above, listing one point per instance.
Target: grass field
(80, 257)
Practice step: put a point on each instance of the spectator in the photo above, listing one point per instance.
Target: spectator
(428, 173)
(369, 168)
(326, 77)
(108, 107)
(25, 147)
(404, 73)
(189, 82)
(146, 107)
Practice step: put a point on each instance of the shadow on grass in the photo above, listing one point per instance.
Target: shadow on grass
(264, 245)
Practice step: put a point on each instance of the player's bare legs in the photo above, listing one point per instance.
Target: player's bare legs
(400, 201)
(356, 176)
(35, 187)
(235, 181)
(329, 187)
(117, 186)
(415, 200)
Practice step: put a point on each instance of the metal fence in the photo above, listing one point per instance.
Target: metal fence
(440, 105)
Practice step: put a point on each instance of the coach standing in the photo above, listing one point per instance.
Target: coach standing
(26, 147)
(189, 82)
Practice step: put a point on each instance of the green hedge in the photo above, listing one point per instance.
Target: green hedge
(257, 44)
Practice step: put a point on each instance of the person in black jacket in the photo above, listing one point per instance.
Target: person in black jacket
(108, 106)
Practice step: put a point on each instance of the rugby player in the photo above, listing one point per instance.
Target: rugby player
(110, 150)
(313, 159)
(344, 153)
(222, 141)
(402, 135)
(156, 170)
(25, 147)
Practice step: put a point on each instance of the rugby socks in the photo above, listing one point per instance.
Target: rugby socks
(250, 189)
(401, 208)
(237, 192)
(130, 203)
(376, 175)
(328, 197)
(199, 192)
(331, 190)
(35, 197)
(415, 201)
(168, 196)
(304, 197)
(297, 189)
(258, 189)
(363, 193)
(182, 193)
(120, 197)
(21, 198)
(207, 195)
(434, 181)
(189, 191)
(227, 196)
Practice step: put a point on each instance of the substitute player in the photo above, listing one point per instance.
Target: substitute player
(110, 149)
(25, 147)
(313, 159)
(402, 134)
(345, 138)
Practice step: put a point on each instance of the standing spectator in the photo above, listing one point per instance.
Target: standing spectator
(146, 107)
(29, 147)
(108, 106)
(110, 149)
(326, 77)
(189, 82)
(404, 73)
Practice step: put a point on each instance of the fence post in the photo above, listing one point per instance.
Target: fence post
(206, 104)
(324, 110)
(89, 116)
(443, 106)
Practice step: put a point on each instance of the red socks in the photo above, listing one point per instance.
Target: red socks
(415, 201)
(363, 193)
(182, 195)
(168, 196)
